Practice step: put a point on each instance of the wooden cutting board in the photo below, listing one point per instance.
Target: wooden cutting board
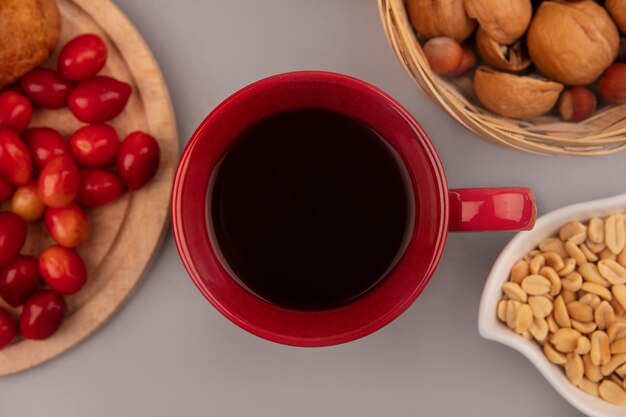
(125, 235)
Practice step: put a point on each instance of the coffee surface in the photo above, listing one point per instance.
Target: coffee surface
(309, 209)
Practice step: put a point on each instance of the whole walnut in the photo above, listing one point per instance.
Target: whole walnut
(573, 43)
(617, 9)
(505, 21)
(29, 32)
(432, 18)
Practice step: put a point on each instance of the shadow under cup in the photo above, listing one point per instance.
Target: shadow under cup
(424, 238)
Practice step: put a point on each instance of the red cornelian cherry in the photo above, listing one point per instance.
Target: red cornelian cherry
(82, 57)
(99, 187)
(98, 99)
(68, 226)
(138, 159)
(8, 328)
(15, 160)
(19, 280)
(62, 269)
(95, 145)
(16, 111)
(45, 88)
(12, 236)
(45, 144)
(42, 315)
(58, 182)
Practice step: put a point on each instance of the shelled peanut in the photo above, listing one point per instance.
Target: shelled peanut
(569, 295)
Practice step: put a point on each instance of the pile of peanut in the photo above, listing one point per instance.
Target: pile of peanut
(569, 295)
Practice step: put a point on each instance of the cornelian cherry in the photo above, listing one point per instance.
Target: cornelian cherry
(58, 182)
(98, 187)
(8, 328)
(138, 159)
(16, 111)
(42, 315)
(45, 88)
(68, 226)
(62, 269)
(15, 161)
(95, 145)
(19, 280)
(82, 57)
(26, 203)
(6, 189)
(44, 144)
(98, 99)
(12, 236)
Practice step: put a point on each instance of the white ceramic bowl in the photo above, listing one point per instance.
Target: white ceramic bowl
(491, 328)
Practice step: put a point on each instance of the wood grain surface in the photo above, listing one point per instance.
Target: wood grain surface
(125, 235)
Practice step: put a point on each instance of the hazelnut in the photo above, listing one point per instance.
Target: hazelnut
(503, 57)
(443, 54)
(613, 84)
(516, 96)
(505, 21)
(617, 10)
(432, 18)
(577, 104)
(468, 61)
(572, 43)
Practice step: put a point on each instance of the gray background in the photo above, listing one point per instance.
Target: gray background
(168, 352)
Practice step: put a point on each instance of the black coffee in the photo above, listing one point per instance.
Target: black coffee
(309, 209)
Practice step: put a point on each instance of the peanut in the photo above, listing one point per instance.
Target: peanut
(584, 328)
(570, 267)
(590, 273)
(536, 285)
(614, 233)
(515, 292)
(571, 229)
(580, 311)
(597, 289)
(604, 315)
(520, 271)
(569, 295)
(600, 350)
(565, 340)
(524, 319)
(592, 372)
(572, 282)
(607, 254)
(612, 271)
(553, 244)
(595, 230)
(583, 346)
(611, 392)
(574, 368)
(589, 387)
(575, 253)
(540, 306)
(553, 277)
(589, 255)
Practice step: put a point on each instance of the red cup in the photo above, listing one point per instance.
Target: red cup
(439, 209)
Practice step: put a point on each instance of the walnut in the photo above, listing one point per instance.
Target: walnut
(573, 43)
(432, 18)
(516, 96)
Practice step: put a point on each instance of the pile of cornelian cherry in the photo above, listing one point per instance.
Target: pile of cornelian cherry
(44, 175)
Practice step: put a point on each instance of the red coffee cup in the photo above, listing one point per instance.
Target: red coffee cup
(438, 209)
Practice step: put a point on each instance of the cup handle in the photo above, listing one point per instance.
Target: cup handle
(481, 209)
